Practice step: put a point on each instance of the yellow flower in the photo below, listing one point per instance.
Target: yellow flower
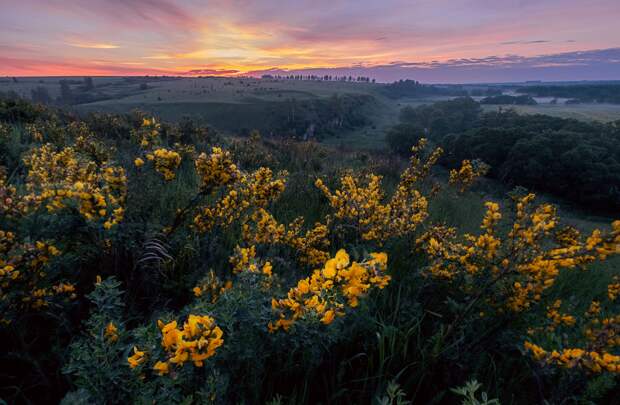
(330, 268)
(138, 162)
(196, 342)
(111, 332)
(161, 367)
(137, 358)
(328, 317)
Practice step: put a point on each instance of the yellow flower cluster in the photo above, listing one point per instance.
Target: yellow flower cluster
(419, 166)
(557, 318)
(35, 132)
(223, 212)
(467, 174)
(197, 341)
(245, 259)
(148, 133)
(211, 287)
(111, 332)
(519, 268)
(11, 204)
(137, 358)
(216, 169)
(252, 190)
(24, 282)
(260, 187)
(604, 331)
(47, 130)
(311, 246)
(569, 358)
(87, 143)
(56, 178)
(601, 336)
(328, 291)
(613, 290)
(166, 162)
(40, 296)
(361, 201)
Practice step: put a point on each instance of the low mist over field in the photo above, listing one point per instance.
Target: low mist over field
(232, 202)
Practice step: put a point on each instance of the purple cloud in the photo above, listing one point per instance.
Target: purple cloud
(603, 64)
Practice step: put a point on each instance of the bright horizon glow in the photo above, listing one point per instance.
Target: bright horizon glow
(429, 40)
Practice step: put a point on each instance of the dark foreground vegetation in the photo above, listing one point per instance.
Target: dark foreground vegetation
(156, 263)
(576, 160)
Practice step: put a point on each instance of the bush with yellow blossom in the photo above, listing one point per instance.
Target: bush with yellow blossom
(214, 274)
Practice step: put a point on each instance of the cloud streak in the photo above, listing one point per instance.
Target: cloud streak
(94, 46)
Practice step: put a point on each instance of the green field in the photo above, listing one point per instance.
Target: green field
(238, 105)
(587, 112)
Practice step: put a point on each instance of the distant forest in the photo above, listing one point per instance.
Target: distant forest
(576, 160)
(413, 88)
(585, 93)
(506, 99)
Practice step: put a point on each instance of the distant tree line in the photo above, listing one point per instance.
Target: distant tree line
(506, 99)
(485, 92)
(71, 92)
(326, 78)
(576, 160)
(585, 93)
(14, 109)
(413, 88)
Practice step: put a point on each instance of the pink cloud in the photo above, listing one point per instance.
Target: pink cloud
(211, 72)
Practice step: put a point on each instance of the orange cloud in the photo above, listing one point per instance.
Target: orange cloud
(93, 46)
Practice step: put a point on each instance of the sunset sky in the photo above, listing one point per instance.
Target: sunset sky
(431, 40)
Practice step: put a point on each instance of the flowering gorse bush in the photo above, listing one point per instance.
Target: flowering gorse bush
(361, 202)
(60, 179)
(212, 275)
(517, 272)
(329, 291)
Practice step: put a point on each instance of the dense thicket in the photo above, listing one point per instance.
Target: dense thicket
(413, 88)
(319, 118)
(600, 93)
(509, 100)
(573, 159)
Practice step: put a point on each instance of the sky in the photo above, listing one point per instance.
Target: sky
(451, 41)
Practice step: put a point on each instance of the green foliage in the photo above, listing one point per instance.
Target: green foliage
(443, 117)
(468, 392)
(575, 160)
(394, 395)
(402, 137)
(94, 361)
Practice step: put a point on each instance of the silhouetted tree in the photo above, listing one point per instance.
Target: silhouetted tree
(40, 95)
(88, 84)
(66, 94)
